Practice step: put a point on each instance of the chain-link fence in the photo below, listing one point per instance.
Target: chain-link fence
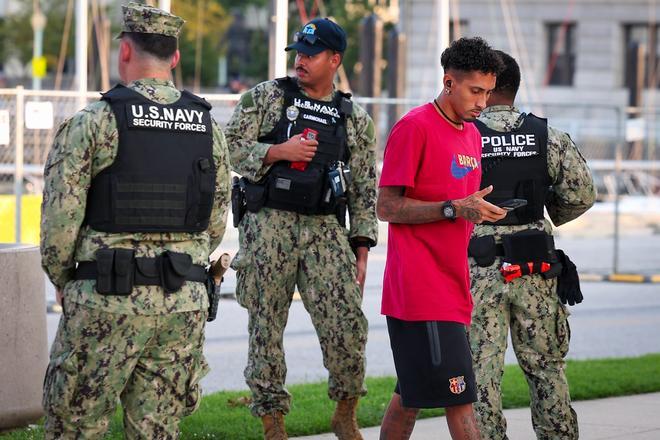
(620, 166)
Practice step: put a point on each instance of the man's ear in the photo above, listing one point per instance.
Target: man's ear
(175, 59)
(125, 51)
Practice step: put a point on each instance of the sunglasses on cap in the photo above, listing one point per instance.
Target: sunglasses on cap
(308, 38)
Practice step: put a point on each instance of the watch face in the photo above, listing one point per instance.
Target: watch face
(448, 211)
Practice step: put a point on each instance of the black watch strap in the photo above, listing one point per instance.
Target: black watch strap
(449, 210)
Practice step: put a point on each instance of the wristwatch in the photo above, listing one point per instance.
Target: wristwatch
(449, 210)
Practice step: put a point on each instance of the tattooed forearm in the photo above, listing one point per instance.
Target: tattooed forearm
(394, 207)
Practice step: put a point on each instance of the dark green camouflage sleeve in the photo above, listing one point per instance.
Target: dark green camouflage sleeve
(362, 192)
(256, 114)
(67, 177)
(218, 221)
(573, 191)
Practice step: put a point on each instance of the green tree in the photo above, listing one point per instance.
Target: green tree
(17, 36)
(207, 22)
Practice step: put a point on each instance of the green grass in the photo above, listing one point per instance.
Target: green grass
(220, 417)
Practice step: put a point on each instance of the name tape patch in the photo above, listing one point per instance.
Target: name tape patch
(167, 118)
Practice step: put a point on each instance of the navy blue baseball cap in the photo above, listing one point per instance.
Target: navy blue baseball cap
(318, 35)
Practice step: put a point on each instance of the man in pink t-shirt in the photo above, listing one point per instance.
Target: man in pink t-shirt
(429, 195)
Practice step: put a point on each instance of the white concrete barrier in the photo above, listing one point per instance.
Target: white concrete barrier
(23, 337)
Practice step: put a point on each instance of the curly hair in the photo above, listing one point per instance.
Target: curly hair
(508, 81)
(470, 55)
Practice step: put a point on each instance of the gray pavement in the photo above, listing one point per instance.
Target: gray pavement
(630, 418)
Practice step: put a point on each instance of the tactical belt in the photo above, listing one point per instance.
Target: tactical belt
(87, 270)
(522, 247)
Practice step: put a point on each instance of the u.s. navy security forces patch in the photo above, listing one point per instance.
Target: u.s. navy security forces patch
(512, 145)
(292, 113)
(171, 118)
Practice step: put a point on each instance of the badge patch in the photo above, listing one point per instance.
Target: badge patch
(457, 384)
(292, 113)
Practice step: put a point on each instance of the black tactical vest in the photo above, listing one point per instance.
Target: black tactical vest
(516, 164)
(163, 177)
(308, 191)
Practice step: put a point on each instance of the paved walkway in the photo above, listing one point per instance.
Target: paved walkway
(631, 418)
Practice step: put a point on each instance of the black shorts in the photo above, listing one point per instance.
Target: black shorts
(433, 363)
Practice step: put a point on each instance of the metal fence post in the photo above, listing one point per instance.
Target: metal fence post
(18, 159)
(617, 179)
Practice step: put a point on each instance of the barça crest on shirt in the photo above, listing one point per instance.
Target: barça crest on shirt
(457, 384)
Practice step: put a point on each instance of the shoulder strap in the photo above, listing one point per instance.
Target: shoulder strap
(116, 93)
(288, 84)
(197, 99)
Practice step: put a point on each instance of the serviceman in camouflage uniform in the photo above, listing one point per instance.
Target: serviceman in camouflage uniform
(292, 234)
(105, 229)
(514, 162)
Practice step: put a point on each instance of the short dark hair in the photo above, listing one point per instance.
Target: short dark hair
(508, 81)
(160, 46)
(471, 55)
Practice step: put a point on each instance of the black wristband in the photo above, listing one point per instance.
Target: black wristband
(357, 242)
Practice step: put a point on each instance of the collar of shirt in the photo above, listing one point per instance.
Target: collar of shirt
(500, 108)
(150, 82)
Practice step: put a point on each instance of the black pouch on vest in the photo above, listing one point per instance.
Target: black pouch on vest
(255, 196)
(124, 272)
(483, 250)
(104, 270)
(287, 185)
(174, 267)
(527, 246)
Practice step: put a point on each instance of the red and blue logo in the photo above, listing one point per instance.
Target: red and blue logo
(457, 384)
(462, 165)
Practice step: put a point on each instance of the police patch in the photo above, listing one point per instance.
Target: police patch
(457, 384)
(292, 113)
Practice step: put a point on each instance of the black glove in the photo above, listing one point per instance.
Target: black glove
(568, 282)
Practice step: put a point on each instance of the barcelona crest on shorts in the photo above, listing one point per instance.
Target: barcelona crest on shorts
(457, 384)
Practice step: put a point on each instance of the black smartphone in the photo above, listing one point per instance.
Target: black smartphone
(512, 204)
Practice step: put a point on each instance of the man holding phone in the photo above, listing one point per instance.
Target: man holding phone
(514, 265)
(429, 194)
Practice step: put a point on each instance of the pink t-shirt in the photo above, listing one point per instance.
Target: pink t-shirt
(426, 274)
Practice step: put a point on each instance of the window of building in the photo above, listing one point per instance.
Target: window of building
(642, 51)
(561, 54)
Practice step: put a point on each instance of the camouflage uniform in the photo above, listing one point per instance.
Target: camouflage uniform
(280, 250)
(530, 305)
(144, 348)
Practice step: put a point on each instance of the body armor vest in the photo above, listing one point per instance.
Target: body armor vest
(163, 178)
(516, 164)
(308, 191)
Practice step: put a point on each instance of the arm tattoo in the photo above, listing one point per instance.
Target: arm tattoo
(468, 208)
(395, 207)
(470, 428)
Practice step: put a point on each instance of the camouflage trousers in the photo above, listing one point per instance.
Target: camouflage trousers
(540, 334)
(280, 250)
(151, 363)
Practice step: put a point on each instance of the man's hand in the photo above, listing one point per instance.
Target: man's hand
(59, 296)
(361, 255)
(296, 149)
(475, 209)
